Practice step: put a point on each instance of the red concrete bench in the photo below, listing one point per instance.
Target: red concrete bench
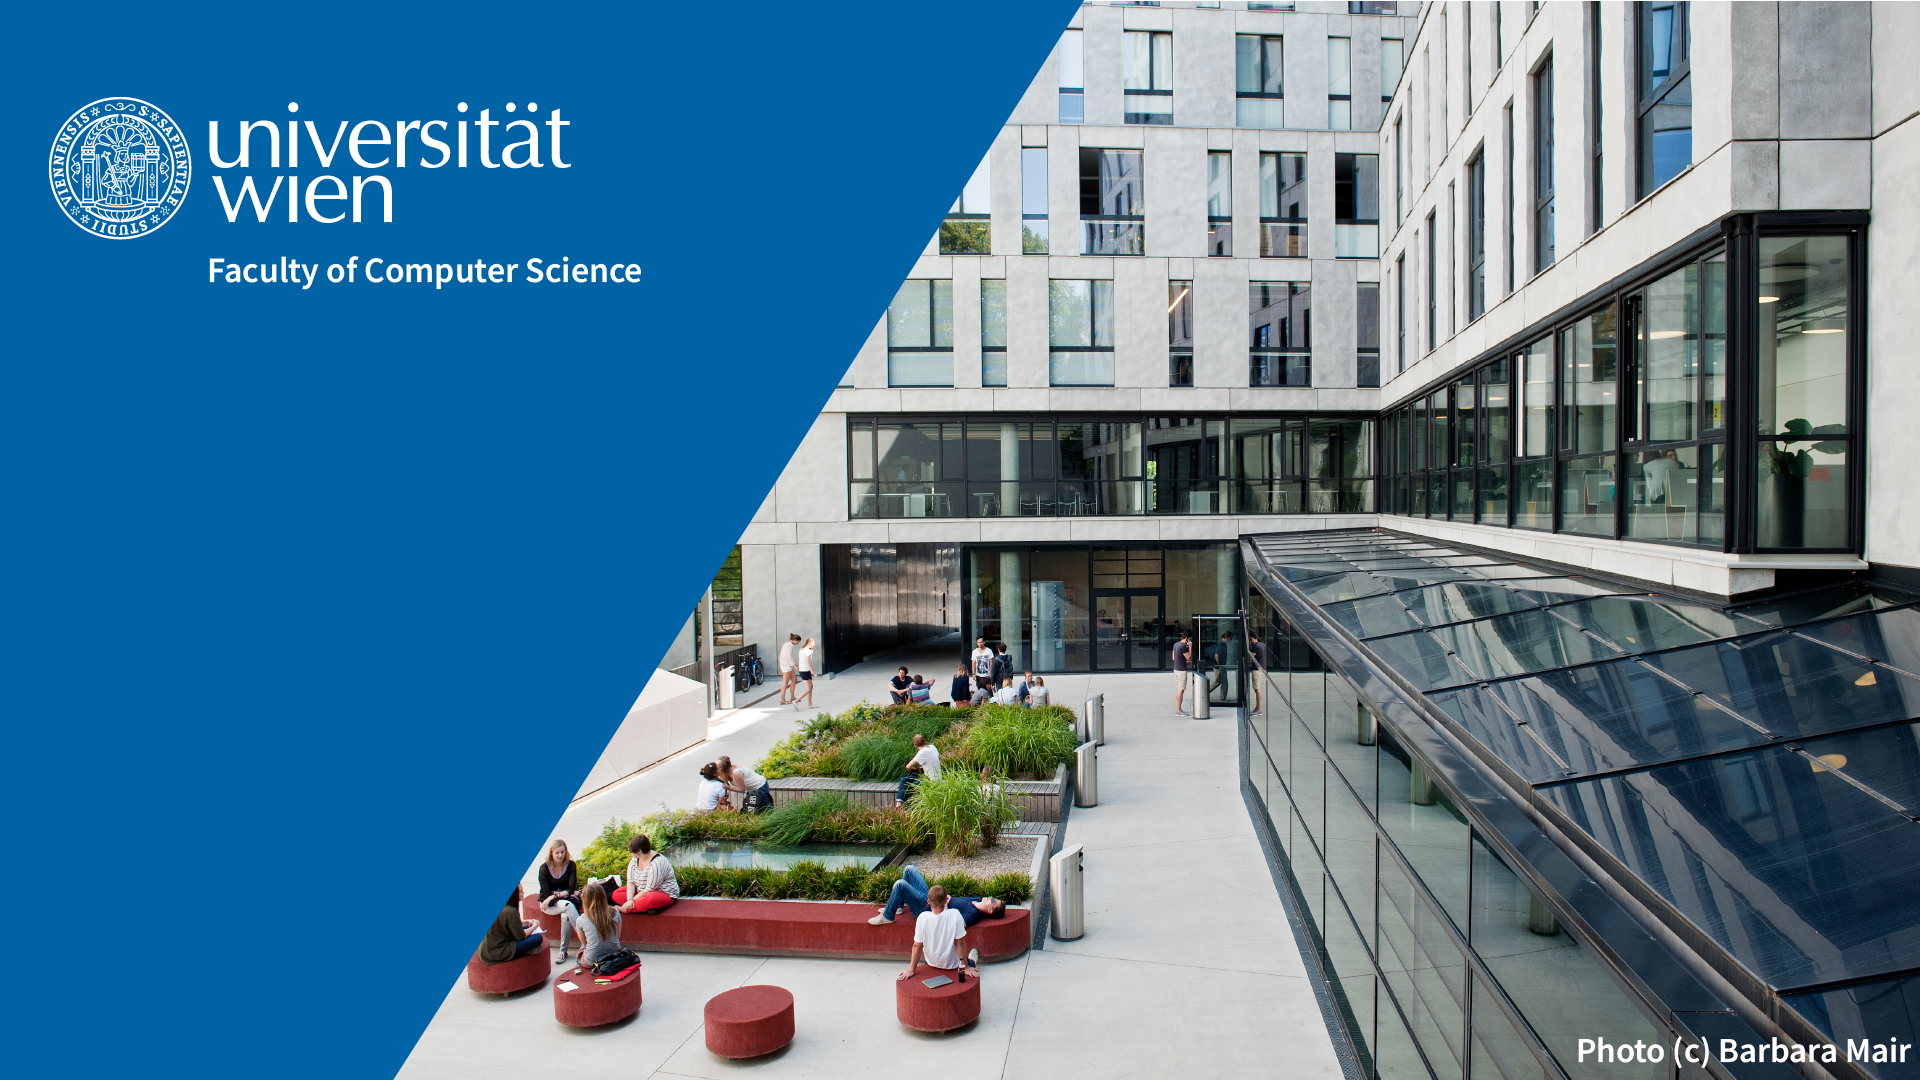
(804, 928)
(749, 1021)
(940, 1008)
(592, 1004)
(509, 975)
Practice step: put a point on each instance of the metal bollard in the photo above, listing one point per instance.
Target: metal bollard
(1069, 894)
(1086, 774)
(724, 686)
(1093, 720)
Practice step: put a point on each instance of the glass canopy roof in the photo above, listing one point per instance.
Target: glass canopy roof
(1756, 764)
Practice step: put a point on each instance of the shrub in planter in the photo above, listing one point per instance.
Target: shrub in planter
(954, 807)
(877, 757)
(794, 821)
(810, 881)
(1020, 742)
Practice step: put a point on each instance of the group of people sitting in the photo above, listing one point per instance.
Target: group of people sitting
(721, 780)
(591, 912)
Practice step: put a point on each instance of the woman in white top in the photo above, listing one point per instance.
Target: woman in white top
(755, 794)
(805, 674)
(712, 793)
(1037, 693)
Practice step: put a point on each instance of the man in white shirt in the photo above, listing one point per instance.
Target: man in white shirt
(787, 651)
(928, 755)
(936, 937)
(982, 662)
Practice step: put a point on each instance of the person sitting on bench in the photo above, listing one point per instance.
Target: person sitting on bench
(899, 686)
(650, 887)
(510, 937)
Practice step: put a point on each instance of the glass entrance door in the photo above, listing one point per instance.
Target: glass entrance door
(1219, 664)
(1128, 630)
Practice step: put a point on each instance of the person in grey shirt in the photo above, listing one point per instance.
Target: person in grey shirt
(1182, 652)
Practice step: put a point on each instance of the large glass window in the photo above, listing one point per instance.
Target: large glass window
(1496, 441)
(993, 332)
(1073, 108)
(920, 469)
(1269, 461)
(1258, 65)
(1283, 206)
(1806, 448)
(1665, 93)
(1147, 71)
(1367, 333)
(1113, 202)
(1340, 467)
(1339, 84)
(968, 229)
(1220, 204)
(1393, 54)
(1533, 477)
(1185, 467)
(1033, 200)
(1543, 167)
(1281, 320)
(920, 334)
(1080, 333)
(1589, 405)
(1179, 333)
(1356, 206)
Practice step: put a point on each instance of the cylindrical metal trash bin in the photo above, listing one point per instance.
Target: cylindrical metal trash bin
(1097, 719)
(1202, 702)
(725, 688)
(1086, 774)
(1068, 895)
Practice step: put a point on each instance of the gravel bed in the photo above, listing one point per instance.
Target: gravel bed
(1013, 854)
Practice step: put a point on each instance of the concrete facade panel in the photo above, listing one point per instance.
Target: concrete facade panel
(1826, 70)
(1826, 174)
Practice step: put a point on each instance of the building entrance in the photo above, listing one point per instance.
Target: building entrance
(1219, 646)
(1129, 630)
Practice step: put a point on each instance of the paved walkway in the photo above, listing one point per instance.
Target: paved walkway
(1188, 967)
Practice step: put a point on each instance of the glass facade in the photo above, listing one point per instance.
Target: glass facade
(1079, 607)
(1069, 465)
(1621, 422)
(1706, 757)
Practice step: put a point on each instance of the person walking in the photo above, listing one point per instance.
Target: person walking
(1182, 656)
(787, 668)
(803, 670)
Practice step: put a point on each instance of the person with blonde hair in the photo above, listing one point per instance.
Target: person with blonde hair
(559, 891)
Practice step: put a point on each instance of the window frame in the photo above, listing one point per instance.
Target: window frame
(1261, 54)
(1155, 77)
(1678, 71)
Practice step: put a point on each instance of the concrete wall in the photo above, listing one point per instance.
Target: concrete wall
(1893, 262)
(669, 716)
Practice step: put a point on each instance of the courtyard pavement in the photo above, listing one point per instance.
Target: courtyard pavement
(1188, 966)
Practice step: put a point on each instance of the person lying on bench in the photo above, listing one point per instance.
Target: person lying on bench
(650, 887)
(510, 937)
(936, 939)
(910, 893)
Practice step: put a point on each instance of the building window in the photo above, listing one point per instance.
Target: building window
(1356, 206)
(920, 334)
(1477, 235)
(1532, 484)
(1258, 65)
(1399, 177)
(1596, 128)
(1373, 7)
(1807, 449)
(1283, 206)
(1453, 260)
(1466, 54)
(1033, 200)
(993, 332)
(1506, 185)
(1220, 205)
(1179, 333)
(1080, 333)
(1113, 202)
(1589, 400)
(1543, 167)
(1148, 75)
(1073, 108)
(1665, 93)
(1433, 293)
(968, 229)
(1367, 333)
(1393, 56)
(1339, 84)
(1400, 313)
(1282, 323)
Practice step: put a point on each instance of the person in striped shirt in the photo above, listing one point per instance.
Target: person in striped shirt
(650, 887)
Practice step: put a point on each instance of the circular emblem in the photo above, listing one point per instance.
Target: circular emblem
(120, 168)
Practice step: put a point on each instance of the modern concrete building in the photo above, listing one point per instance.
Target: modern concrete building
(1599, 738)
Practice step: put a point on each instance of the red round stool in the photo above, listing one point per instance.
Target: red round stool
(940, 1008)
(549, 924)
(508, 975)
(593, 1004)
(749, 1021)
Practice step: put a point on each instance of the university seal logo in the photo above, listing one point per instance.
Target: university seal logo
(119, 168)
